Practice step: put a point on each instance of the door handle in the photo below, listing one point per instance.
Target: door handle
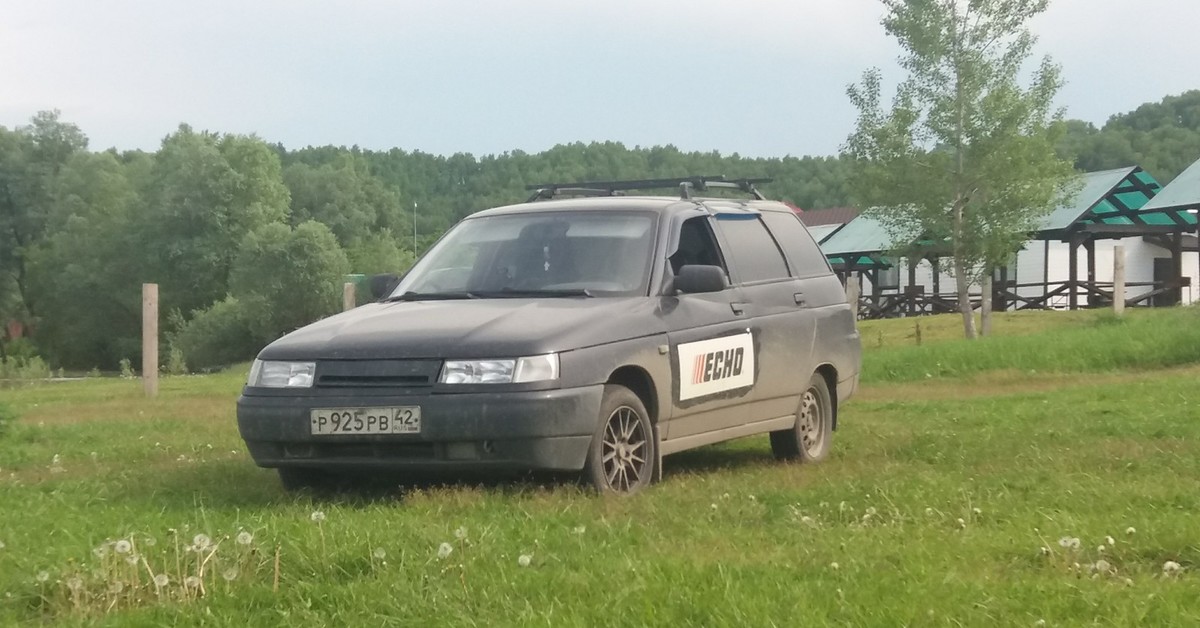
(738, 308)
(798, 298)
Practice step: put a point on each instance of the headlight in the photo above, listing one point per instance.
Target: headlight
(272, 374)
(538, 368)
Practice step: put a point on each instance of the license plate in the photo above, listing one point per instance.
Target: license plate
(401, 420)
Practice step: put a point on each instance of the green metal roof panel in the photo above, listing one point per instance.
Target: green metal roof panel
(820, 233)
(1096, 186)
(1182, 193)
(861, 235)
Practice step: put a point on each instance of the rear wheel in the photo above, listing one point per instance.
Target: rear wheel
(810, 438)
(623, 451)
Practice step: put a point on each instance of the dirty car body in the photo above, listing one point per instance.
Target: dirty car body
(559, 335)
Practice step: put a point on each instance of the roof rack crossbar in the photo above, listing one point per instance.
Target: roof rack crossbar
(685, 185)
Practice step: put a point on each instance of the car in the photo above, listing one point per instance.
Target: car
(587, 330)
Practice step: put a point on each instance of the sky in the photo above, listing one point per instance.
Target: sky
(762, 78)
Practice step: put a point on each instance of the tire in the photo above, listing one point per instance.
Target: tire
(304, 478)
(810, 438)
(624, 451)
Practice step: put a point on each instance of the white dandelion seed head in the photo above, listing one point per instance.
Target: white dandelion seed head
(460, 533)
(42, 576)
(131, 559)
(1101, 548)
(100, 551)
(928, 511)
(379, 553)
(116, 586)
(961, 523)
(524, 560)
(1130, 530)
(191, 582)
(1129, 582)
(1103, 566)
(579, 529)
(317, 516)
(725, 496)
(244, 538)
(74, 583)
(713, 506)
(1040, 622)
(1045, 551)
(444, 550)
(871, 510)
(753, 498)
(149, 541)
(1069, 542)
(230, 574)
(1110, 540)
(977, 511)
(122, 546)
(834, 566)
(201, 542)
(161, 580)
(1171, 568)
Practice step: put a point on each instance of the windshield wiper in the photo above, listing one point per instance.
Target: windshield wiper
(509, 293)
(431, 296)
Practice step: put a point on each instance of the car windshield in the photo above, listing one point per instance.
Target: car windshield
(598, 253)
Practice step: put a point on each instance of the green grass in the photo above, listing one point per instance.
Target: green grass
(730, 537)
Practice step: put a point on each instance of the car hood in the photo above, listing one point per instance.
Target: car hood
(469, 328)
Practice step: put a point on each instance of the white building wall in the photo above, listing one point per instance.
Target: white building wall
(1031, 268)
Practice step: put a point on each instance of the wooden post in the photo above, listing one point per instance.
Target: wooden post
(348, 297)
(1118, 280)
(910, 289)
(1090, 245)
(1073, 274)
(1176, 294)
(852, 290)
(150, 339)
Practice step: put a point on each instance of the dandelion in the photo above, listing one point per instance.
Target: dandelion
(806, 520)
(444, 550)
(961, 523)
(579, 529)
(244, 538)
(1171, 568)
(1069, 542)
(753, 498)
(191, 582)
(929, 511)
(460, 533)
(1103, 566)
(1130, 531)
(122, 547)
(379, 554)
(1110, 540)
(116, 586)
(866, 518)
(834, 566)
(230, 574)
(100, 551)
(524, 560)
(317, 516)
(1045, 551)
(201, 542)
(75, 583)
(149, 541)
(1040, 622)
(161, 580)
(132, 559)
(713, 506)
(43, 576)
(870, 511)
(977, 511)
(1129, 582)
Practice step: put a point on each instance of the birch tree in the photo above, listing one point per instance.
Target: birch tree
(966, 153)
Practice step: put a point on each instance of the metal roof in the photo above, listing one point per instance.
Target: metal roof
(820, 233)
(861, 235)
(1096, 186)
(1182, 193)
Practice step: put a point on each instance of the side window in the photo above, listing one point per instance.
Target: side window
(696, 246)
(803, 251)
(752, 249)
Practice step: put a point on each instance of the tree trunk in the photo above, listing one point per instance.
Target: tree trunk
(985, 308)
(963, 286)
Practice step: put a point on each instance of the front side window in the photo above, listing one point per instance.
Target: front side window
(598, 253)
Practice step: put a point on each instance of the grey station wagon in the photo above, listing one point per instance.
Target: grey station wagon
(594, 334)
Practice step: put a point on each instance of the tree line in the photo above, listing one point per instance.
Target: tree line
(248, 240)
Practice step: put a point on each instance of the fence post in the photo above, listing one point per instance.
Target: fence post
(1118, 280)
(150, 339)
(348, 297)
(852, 289)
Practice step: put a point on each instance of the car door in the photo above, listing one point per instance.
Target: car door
(778, 308)
(712, 346)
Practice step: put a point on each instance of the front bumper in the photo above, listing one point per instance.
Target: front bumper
(547, 429)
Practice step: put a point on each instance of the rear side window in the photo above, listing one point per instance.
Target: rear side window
(752, 249)
(806, 256)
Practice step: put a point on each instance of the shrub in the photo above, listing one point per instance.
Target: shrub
(217, 336)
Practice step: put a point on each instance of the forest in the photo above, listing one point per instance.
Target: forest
(248, 240)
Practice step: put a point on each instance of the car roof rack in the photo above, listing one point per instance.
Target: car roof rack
(685, 185)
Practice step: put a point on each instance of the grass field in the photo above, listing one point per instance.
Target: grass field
(1047, 473)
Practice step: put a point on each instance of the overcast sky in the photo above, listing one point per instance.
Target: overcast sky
(757, 77)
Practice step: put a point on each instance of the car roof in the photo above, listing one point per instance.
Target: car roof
(665, 205)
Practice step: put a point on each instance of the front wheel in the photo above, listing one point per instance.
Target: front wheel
(809, 439)
(623, 452)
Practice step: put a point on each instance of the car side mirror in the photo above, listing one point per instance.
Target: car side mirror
(698, 278)
(382, 285)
